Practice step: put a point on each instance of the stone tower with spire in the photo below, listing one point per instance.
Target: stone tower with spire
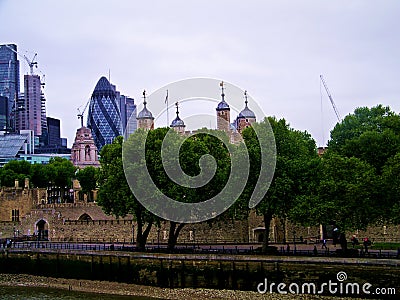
(223, 112)
(84, 151)
(145, 118)
(177, 124)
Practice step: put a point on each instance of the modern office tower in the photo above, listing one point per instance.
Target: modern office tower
(9, 79)
(32, 104)
(3, 113)
(127, 109)
(64, 142)
(104, 117)
(128, 115)
(53, 132)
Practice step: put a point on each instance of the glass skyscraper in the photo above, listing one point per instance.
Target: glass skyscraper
(9, 79)
(128, 115)
(3, 112)
(104, 118)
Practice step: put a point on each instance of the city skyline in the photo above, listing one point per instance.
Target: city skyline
(275, 51)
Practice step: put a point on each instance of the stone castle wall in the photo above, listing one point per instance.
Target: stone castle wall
(85, 221)
(20, 199)
(7, 228)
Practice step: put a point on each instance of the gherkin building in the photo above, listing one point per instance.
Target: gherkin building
(104, 118)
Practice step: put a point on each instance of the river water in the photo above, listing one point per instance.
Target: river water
(40, 293)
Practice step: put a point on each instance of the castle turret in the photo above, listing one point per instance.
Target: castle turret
(177, 124)
(246, 117)
(223, 112)
(145, 118)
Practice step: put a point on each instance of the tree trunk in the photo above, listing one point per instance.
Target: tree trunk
(343, 241)
(141, 236)
(146, 232)
(140, 245)
(267, 223)
(173, 234)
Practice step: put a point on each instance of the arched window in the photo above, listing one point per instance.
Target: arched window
(87, 152)
(85, 217)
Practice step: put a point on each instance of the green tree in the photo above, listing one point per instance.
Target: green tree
(347, 196)
(16, 169)
(204, 142)
(191, 150)
(40, 176)
(371, 134)
(293, 150)
(18, 166)
(87, 178)
(8, 178)
(61, 171)
(391, 188)
(115, 196)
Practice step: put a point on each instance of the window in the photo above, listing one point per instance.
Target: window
(15, 215)
(87, 153)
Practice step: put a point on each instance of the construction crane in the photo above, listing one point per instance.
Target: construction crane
(80, 113)
(330, 98)
(31, 63)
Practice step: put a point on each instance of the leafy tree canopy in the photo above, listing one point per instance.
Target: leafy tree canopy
(371, 134)
(87, 179)
(347, 195)
(294, 149)
(391, 187)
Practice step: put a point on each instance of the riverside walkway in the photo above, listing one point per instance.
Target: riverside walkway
(294, 250)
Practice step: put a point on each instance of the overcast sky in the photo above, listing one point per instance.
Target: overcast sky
(276, 50)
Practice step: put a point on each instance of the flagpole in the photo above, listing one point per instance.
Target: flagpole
(166, 101)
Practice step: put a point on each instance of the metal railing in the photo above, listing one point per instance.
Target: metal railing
(201, 249)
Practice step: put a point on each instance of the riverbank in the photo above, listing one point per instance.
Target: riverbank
(115, 288)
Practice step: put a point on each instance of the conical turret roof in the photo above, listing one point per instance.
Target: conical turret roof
(177, 122)
(145, 113)
(246, 112)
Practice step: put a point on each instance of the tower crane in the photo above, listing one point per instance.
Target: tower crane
(31, 63)
(80, 113)
(330, 98)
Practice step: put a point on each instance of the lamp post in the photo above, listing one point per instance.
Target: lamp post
(294, 241)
